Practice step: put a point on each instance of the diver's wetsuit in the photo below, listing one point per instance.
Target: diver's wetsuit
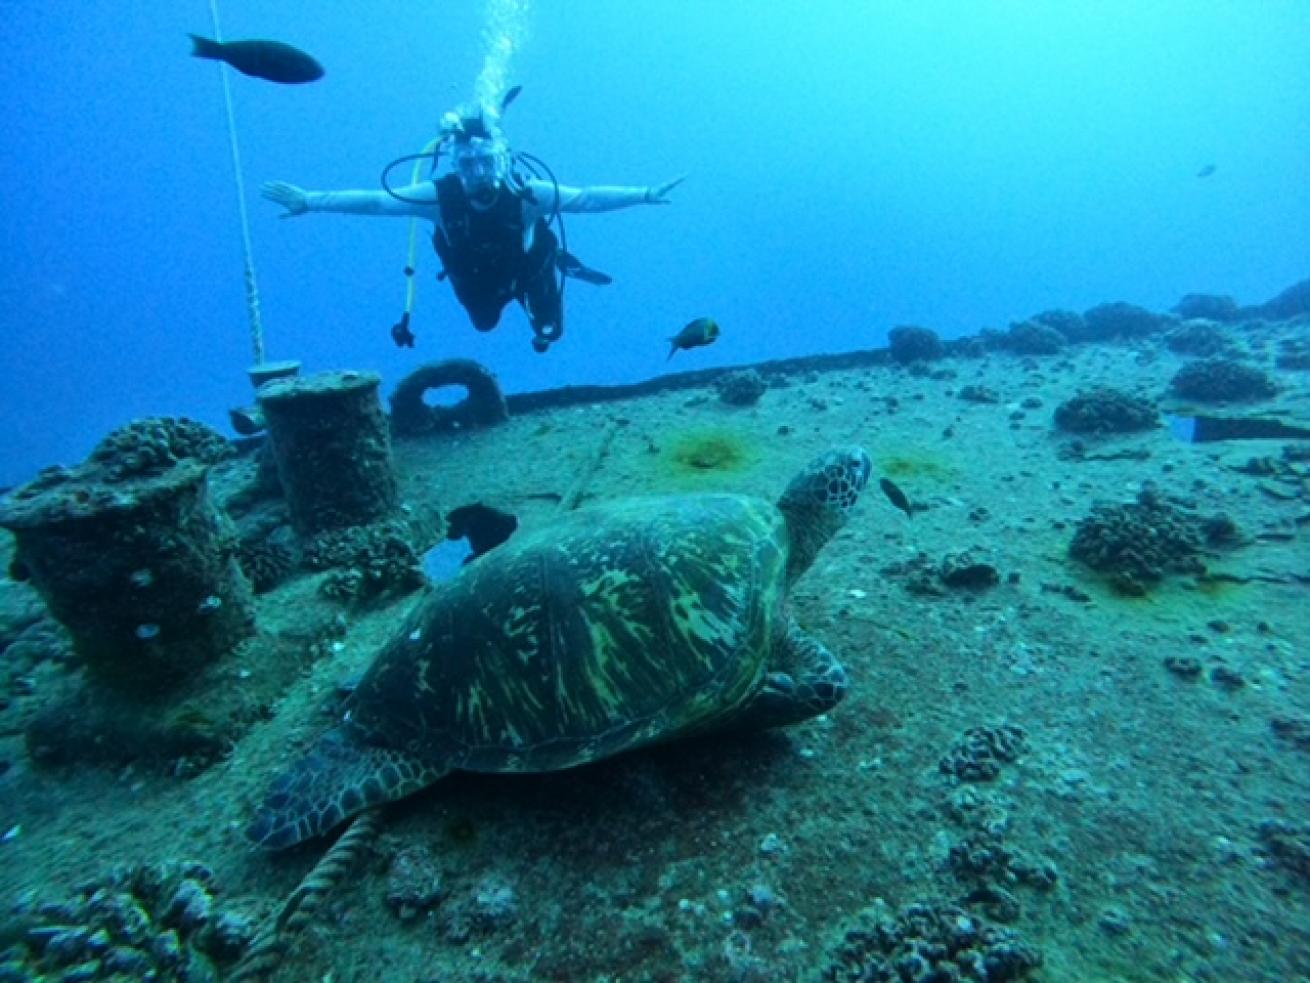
(536, 203)
(483, 253)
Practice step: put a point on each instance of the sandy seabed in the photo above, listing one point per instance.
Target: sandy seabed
(1149, 824)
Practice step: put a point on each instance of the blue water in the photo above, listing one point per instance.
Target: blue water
(444, 561)
(852, 166)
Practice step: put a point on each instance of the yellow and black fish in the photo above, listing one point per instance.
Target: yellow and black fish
(701, 331)
(270, 60)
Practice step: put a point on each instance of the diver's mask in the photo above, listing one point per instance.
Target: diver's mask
(481, 163)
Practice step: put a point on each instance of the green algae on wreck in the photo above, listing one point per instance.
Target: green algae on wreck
(915, 466)
(701, 456)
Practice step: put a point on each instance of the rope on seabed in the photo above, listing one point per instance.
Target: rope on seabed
(252, 288)
(579, 488)
(269, 945)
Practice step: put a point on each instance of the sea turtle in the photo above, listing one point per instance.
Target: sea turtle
(614, 627)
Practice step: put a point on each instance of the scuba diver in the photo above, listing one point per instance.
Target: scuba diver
(492, 224)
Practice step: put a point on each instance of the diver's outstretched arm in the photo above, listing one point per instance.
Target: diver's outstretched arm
(658, 194)
(289, 196)
(599, 197)
(297, 201)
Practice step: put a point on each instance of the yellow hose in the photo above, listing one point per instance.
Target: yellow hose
(412, 257)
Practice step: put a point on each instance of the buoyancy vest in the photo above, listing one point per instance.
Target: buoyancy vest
(481, 249)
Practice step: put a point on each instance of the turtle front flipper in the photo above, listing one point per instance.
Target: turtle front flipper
(804, 680)
(340, 776)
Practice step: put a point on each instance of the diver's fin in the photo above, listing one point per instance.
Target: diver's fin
(570, 265)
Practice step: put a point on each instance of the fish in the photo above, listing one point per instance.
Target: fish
(1206, 171)
(271, 60)
(1207, 429)
(510, 96)
(701, 331)
(896, 496)
(485, 528)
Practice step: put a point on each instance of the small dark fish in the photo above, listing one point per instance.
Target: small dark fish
(896, 496)
(1207, 429)
(1206, 171)
(270, 60)
(701, 331)
(484, 527)
(510, 96)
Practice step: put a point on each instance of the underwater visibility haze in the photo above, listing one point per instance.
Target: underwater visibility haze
(895, 569)
(851, 167)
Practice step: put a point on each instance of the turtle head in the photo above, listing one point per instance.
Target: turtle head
(819, 499)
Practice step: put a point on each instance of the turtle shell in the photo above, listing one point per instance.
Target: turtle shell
(612, 628)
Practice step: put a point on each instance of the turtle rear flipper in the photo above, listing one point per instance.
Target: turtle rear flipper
(340, 776)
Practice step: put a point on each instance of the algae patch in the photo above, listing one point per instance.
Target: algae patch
(1218, 588)
(700, 457)
(915, 466)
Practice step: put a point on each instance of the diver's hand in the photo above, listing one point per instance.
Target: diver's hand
(295, 200)
(658, 194)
